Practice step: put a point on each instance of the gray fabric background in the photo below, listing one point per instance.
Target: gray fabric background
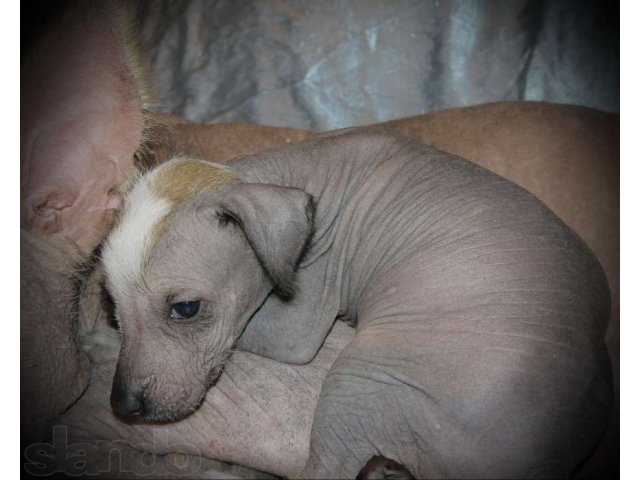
(323, 64)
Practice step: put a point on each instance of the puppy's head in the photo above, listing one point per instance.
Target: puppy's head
(194, 255)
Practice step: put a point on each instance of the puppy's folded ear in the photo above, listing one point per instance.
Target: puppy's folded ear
(278, 223)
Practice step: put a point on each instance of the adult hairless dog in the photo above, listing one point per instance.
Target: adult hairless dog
(565, 155)
(480, 315)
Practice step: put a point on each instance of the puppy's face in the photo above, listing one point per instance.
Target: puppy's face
(180, 317)
(194, 255)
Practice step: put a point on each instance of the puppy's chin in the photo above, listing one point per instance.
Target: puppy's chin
(157, 413)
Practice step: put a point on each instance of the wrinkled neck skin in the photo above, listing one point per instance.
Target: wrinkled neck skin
(344, 178)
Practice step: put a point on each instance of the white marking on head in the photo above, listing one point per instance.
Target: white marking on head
(125, 250)
(154, 196)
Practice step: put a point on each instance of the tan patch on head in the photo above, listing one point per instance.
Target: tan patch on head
(148, 208)
(180, 181)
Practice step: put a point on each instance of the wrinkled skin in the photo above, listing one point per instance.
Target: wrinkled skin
(469, 297)
(250, 418)
(231, 140)
(258, 414)
(53, 370)
(567, 156)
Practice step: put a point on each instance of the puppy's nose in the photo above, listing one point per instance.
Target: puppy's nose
(127, 402)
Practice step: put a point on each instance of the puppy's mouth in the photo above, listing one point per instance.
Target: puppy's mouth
(160, 415)
(155, 412)
(215, 372)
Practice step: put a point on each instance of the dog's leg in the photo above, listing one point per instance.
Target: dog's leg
(293, 331)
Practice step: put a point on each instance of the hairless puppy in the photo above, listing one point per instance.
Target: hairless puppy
(566, 155)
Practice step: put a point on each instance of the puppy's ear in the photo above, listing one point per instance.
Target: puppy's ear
(278, 223)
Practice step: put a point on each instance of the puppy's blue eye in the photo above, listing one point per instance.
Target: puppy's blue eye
(183, 310)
